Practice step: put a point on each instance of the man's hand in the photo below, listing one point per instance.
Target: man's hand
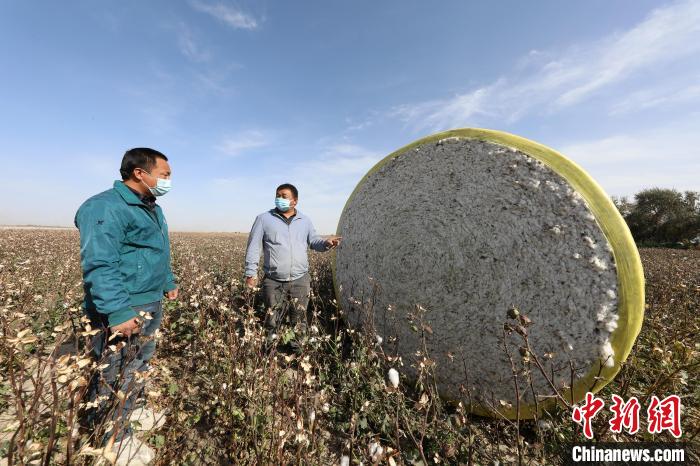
(129, 327)
(333, 241)
(172, 294)
(250, 282)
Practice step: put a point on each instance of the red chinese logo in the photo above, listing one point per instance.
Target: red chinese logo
(661, 415)
(665, 415)
(584, 415)
(625, 415)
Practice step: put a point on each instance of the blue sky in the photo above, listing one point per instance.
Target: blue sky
(243, 96)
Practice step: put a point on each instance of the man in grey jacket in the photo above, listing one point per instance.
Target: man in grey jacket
(285, 234)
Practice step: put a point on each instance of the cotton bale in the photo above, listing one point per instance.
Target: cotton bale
(478, 243)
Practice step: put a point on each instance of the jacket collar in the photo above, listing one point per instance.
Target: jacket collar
(296, 216)
(127, 194)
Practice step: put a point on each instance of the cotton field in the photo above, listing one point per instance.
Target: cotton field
(346, 399)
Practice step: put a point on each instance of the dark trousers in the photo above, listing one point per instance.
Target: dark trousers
(286, 301)
(115, 387)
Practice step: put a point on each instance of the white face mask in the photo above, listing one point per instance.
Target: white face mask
(162, 186)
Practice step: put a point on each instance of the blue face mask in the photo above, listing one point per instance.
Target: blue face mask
(282, 204)
(162, 186)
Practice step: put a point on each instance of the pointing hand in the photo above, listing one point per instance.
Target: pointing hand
(333, 241)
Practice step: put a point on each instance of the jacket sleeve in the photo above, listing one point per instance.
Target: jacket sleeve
(314, 239)
(252, 254)
(101, 234)
(170, 283)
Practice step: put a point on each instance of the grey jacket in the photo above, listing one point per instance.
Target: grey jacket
(284, 246)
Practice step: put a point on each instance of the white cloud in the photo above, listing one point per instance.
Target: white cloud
(453, 112)
(189, 46)
(343, 160)
(626, 163)
(671, 93)
(325, 181)
(242, 142)
(228, 14)
(217, 79)
(668, 35)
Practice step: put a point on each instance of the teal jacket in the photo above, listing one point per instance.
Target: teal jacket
(124, 252)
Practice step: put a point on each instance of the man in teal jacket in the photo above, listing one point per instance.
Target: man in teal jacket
(125, 256)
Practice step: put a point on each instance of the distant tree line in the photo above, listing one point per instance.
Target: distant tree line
(662, 216)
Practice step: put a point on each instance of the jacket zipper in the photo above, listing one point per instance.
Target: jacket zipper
(291, 249)
(154, 217)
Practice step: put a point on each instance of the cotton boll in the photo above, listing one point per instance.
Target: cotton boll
(447, 141)
(345, 460)
(598, 263)
(607, 355)
(544, 424)
(611, 325)
(394, 377)
(590, 242)
(551, 185)
(375, 451)
(603, 313)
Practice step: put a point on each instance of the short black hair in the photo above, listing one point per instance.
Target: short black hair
(139, 157)
(290, 187)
